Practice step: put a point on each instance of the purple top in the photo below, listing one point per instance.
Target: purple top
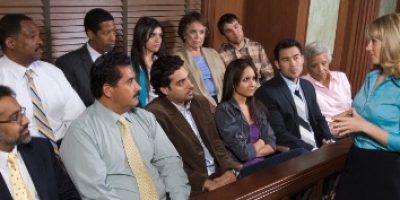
(254, 136)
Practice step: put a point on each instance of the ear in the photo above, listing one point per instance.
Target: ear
(10, 43)
(108, 90)
(164, 90)
(276, 64)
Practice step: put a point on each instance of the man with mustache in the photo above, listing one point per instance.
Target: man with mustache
(189, 123)
(101, 32)
(50, 101)
(27, 163)
(295, 115)
(99, 149)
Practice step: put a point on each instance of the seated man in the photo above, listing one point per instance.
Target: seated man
(27, 163)
(238, 46)
(189, 123)
(76, 65)
(116, 151)
(295, 115)
(50, 101)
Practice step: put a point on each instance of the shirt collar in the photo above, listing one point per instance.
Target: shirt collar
(4, 157)
(18, 70)
(108, 115)
(182, 108)
(246, 43)
(319, 84)
(293, 85)
(93, 53)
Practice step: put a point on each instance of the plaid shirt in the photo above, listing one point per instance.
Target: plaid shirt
(252, 49)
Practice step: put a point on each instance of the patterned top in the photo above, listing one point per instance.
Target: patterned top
(252, 49)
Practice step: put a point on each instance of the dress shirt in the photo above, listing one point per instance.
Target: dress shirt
(185, 110)
(293, 86)
(380, 106)
(60, 101)
(252, 49)
(94, 156)
(93, 53)
(23, 170)
(335, 99)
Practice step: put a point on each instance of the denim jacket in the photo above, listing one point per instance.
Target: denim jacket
(235, 131)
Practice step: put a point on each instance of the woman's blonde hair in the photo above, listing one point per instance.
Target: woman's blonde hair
(387, 30)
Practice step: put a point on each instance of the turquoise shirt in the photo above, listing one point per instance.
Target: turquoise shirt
(380, 106)
(143, 94)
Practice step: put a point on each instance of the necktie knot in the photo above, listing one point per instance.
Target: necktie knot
(297, 93)
(12, 159)
(29, 74)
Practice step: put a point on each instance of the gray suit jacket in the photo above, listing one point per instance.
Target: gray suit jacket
(76, 66)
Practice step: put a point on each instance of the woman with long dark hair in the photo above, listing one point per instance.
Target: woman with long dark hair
(148, 44)
(242, 121)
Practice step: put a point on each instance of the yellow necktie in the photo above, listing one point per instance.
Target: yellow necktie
(19, 189)
(147, 189)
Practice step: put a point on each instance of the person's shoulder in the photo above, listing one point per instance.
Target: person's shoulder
(72, 54)
(156, 105)
(209, 50)
(47, 67)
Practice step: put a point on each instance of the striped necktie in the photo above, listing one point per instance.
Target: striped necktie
(20, 190)
(147, 189)
(306, 132)
(41, 121)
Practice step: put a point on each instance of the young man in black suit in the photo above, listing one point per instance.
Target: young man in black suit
(76, 65)
(295, 115)
(28, 163)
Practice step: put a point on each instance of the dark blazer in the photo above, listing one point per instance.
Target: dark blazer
(275, 94)
(182, 136)
(48, 175)
(76, 66)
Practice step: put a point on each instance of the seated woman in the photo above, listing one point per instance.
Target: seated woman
(147, 45)
(332, 87)
(242, 121)
(205, 66)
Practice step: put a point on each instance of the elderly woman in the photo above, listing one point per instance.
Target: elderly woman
(205, 66)
(332, 87)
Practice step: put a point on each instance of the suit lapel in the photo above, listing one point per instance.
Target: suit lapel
(307, 96)
(86, 59)
(4, 192)
(286, 92)
(34, 165)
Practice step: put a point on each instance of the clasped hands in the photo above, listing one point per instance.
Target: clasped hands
(346, 123)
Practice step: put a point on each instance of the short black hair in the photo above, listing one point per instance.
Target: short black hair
(10, 25)
(286, 43)
(224, 19)
(161, 69)
(105, 70)
(94, 17)
(6, 91)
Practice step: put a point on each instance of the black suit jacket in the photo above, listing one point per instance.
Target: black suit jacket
(76, 66)
(275, 94)
(48, 175)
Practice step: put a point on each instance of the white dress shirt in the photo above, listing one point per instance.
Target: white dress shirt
(60, 101)
(23, 170)
(93, 53)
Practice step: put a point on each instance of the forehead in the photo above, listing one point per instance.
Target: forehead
(8, 105)
(179, 74)
(126, 71)
(230, 25)
(289, 52)
(196, 25)
(105, 25)
(28, 26)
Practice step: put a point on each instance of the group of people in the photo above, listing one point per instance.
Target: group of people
(104, 125)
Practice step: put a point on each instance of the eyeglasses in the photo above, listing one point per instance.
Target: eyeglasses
(17, 117)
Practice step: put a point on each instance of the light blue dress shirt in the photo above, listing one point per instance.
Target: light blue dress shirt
(94, 156)
(380, 106)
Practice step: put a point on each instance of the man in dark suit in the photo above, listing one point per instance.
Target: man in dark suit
(76, 65)
(291, 100)
(187, 120)
(30, 159)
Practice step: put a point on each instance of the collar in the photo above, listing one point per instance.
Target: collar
(292, 85)
(230, 45)
(374, 74)
(182, 108)
(4, 156)
(18, 70)
(334, 78)
(108, 115)
(93, 53)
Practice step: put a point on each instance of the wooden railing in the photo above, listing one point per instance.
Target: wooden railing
(287, 178)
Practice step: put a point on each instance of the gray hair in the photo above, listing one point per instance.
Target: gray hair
(316, 48)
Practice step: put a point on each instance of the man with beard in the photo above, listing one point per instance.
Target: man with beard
(28, 166)
(76, 65)
(50, 101)
(291, 101)
(189, 123)
(116, 151)
(238, 46)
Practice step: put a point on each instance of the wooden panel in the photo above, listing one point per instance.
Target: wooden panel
(285, 179)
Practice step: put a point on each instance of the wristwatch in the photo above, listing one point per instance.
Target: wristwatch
(235, 172)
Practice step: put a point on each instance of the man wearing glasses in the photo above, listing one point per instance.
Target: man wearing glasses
(28, 166)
